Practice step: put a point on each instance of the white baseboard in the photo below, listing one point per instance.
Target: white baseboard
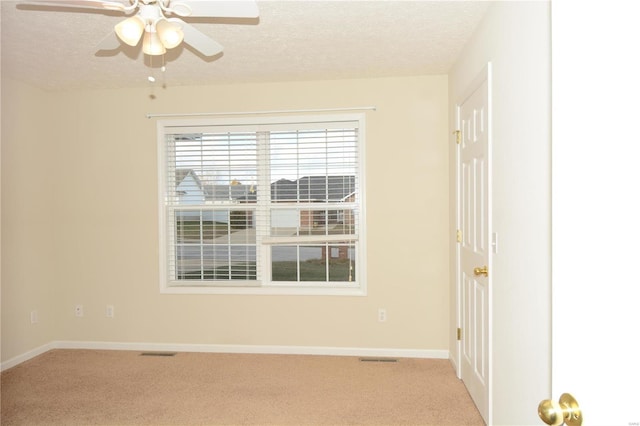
(246, 349)
(26, 356)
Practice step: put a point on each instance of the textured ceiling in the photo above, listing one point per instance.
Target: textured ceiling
(292, 40)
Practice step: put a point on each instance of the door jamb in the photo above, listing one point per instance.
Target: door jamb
(458, 274)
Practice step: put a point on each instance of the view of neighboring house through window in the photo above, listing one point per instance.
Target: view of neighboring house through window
(262, 203)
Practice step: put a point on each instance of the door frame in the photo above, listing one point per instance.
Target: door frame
(484, 75)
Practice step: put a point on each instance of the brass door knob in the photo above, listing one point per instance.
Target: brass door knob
(481, 271)
(566, 410)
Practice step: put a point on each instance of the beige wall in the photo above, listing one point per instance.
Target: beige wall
(79, 194)
(28, 223)
(515, 38)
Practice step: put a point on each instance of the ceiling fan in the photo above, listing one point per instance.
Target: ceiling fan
(158, 23)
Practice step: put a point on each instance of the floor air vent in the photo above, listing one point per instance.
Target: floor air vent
(158, 354)
(378, 359)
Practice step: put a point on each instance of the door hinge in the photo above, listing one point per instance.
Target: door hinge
(459, 332)
(458, 235)
(458, 134)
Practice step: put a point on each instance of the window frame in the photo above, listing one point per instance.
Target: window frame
(357, 288)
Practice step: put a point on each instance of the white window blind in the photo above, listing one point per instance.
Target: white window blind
(275, 203)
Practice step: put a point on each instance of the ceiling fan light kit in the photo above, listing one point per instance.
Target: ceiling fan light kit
(152, 45)
(130, 30)
(159, 33)
(171, 34)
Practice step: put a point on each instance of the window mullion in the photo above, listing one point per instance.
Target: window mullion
(298, 263)
(327, 248)
(263, 200)
(229, 257)
(201, 230)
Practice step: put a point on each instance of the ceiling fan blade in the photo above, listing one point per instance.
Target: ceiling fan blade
(219, 8)
(82, 4)
(199, 41)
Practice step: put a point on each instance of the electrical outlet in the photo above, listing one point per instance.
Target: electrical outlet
(79, 311)
(382, 315)
(34, 317)
(110, 311)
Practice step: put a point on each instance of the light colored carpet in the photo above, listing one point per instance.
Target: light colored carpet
(91, 387)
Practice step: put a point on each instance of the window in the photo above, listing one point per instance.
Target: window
(262, 206)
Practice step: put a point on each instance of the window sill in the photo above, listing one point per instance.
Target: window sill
(265, 290)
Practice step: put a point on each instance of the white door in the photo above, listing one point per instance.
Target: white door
(474, 257)
(596, 209)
